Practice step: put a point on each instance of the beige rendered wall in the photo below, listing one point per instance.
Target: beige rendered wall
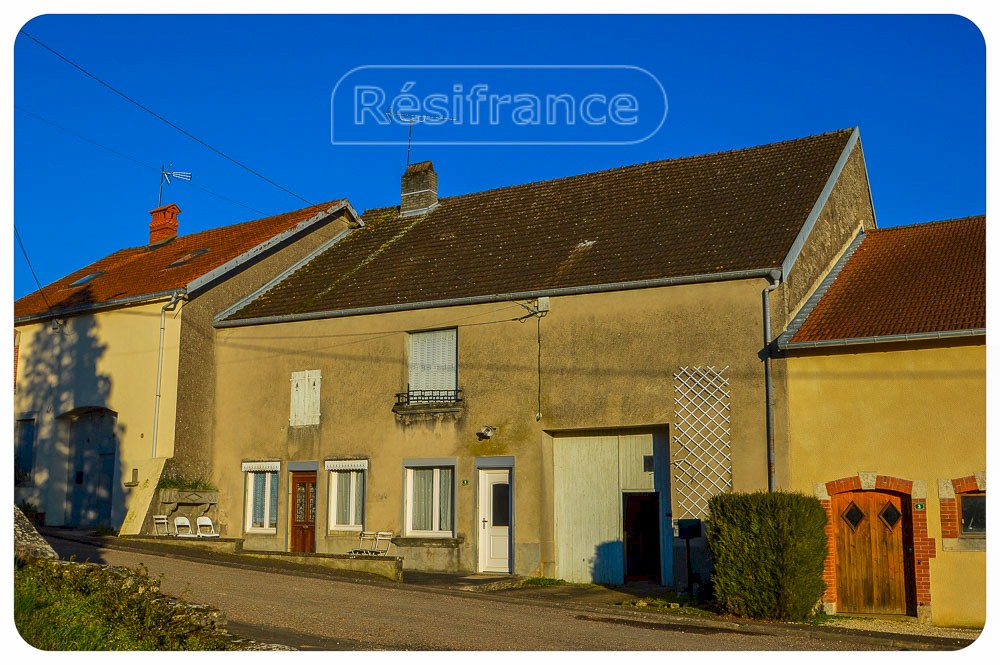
(607, 361)
(105, 360)
(913, 411)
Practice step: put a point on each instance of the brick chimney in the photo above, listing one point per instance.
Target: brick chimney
(163, 226)
(420, 190)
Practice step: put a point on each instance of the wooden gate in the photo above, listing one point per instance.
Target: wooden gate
(873, 538)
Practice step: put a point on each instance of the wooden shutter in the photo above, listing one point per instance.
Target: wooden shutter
(313, 381)
(433, 360)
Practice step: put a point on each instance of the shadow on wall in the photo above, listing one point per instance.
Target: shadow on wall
(608, 564)
(70, 465)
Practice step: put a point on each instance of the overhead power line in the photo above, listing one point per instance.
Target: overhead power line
(162, 119)
(132, 159)
(28, 261)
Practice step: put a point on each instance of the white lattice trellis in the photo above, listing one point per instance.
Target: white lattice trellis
(701, 458)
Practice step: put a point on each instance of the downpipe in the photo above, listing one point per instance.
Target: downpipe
(775, 278)
(170, 306)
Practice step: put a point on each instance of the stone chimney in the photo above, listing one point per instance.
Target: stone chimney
(420, 190)
(163, 226)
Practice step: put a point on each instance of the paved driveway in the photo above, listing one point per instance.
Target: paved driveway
(329, 614)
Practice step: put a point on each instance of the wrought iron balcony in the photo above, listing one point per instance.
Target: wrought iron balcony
(429, 397)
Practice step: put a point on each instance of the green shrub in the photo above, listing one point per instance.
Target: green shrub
(61, 606)
(768, 551)
(178, 483)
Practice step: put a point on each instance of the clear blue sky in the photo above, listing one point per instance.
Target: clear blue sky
(259, 89)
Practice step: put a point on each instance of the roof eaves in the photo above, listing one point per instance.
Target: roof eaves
(881, 339)
(803, 314)
(807, 227)
(91, 307)
(221, 322)
(274, 241)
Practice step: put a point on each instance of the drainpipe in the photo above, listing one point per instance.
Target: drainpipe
(775, 278)
(175, 298)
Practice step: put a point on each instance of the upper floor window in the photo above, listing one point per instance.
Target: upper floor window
(305, 397)
(433, 367)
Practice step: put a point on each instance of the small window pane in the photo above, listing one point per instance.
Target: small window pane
(973, 513)
(257, 520)
(423, 499)
(446, 490)
(343, 497)
(359, 498)
(501, 504)
(272, 521)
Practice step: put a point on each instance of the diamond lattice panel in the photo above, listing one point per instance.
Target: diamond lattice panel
(701, 458)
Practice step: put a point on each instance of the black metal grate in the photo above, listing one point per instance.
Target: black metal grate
(428, 397)
(890, 515)
(853, 515)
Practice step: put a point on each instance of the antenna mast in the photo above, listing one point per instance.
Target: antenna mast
(165, 175)
(411, 119)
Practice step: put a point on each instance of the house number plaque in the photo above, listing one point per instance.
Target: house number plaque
(918, 506)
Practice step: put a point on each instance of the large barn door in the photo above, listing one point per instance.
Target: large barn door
(870, 545)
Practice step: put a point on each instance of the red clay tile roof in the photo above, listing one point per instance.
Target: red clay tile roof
(139, 271)
(924, 278)
(731, 211)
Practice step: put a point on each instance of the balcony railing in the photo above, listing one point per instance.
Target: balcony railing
(428, 397)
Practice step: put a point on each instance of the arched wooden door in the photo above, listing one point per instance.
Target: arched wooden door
(873, 538)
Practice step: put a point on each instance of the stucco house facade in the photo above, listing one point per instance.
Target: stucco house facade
(114, 369)
(539, 379)
(887, 420)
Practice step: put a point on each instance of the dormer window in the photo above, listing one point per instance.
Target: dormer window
(87, 278)
(187, 258)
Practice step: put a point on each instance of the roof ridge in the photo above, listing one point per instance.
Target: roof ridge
(681, 158)
(935, 222)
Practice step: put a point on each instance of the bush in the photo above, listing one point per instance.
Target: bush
(60, 606)
(768, 551)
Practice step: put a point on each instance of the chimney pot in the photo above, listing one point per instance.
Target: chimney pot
(163, 225)
(420, 190)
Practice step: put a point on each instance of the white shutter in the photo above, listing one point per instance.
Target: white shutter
(433, 357)
(297, 399)
(313, 379)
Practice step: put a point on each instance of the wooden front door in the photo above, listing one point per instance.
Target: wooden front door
(303, 536)
(872, 538)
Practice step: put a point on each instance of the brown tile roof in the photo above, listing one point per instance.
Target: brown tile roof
(731, 211)
(139, 271)
(925, 278)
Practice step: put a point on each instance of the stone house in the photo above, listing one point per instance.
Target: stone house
(539, 379)
(114, 363)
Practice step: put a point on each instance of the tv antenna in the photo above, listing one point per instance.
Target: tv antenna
(412, 119)
(165, 175)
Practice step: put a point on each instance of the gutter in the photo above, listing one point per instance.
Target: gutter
(775, 279)
(883, 339)
(172, 305)
(496, 297)
(107, 304)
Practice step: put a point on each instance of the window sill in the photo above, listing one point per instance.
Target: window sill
(428, 541)
(339, 530)
(262, 531)
(964, 544)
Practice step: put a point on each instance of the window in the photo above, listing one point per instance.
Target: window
(973, 507)
(430, 504)
(86, 278)
(347, 494)
(433, 372)
(24, 450)
(187, 258)
(305, 397)
(262, 496)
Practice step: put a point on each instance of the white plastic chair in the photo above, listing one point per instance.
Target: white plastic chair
(383, 539)
(205, 528)
(161, 527)
(366, 543)
(183, 523)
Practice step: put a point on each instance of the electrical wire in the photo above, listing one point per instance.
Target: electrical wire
(28, 261)
(162, 119)
(136, 161)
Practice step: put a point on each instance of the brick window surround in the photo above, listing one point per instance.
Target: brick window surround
(949, 493)
(924, 548)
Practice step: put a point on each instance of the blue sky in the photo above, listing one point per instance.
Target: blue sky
(259, 89)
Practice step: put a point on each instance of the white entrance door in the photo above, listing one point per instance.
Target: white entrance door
(494, 520)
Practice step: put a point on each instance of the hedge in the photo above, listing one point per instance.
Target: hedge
(768, 551)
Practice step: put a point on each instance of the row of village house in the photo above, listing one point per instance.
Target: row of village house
(541, 379)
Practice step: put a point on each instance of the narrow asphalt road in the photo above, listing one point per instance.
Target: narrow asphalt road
(313, 613)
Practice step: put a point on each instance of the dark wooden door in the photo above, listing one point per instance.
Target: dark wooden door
(869, 532)
(303, 536)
